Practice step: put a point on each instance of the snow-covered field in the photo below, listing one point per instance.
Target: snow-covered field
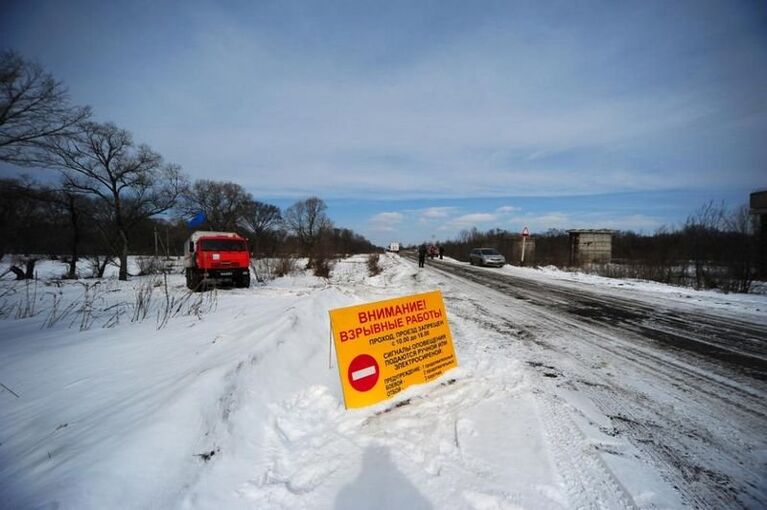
(231, 399)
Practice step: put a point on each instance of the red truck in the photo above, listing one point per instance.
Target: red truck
(216, 257)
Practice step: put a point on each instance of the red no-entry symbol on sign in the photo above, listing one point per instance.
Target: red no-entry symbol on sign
(363, 372)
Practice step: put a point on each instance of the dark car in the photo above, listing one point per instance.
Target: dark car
(486, 257)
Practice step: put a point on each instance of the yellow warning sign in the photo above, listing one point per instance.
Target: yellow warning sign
(384, 347)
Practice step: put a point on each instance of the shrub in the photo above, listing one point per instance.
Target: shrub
(148, 265)
(373, 267)
(285, 266)
(322, 266)
(98, 264)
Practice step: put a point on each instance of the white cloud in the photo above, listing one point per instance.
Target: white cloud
(386, 221)
(473, 220)
(539, 222)
(507, 209)
(635, 222)
(436, 213)
(388, 217)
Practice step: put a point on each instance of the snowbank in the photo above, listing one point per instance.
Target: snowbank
(235, 403)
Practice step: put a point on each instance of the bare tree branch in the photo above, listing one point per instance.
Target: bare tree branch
(33, 106)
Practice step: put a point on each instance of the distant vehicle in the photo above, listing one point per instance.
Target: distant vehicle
(394, 247)
(216, 257)
(486, 257)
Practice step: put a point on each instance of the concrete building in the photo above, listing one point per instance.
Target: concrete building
(758, 205)
(589, 246)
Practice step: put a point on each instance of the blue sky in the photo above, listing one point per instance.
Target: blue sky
(416, 120)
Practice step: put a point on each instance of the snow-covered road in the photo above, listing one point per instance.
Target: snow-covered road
(683, 382)
(233, 404)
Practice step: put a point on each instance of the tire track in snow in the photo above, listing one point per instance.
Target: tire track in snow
(590, 483)
(740, 344)
(587, 480)
(242, 372)
(683, 443)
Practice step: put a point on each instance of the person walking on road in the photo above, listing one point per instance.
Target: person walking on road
(421, 255)
(441, 252)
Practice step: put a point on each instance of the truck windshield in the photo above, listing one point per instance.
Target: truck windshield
(222, 245)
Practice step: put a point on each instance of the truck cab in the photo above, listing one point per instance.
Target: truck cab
(216, 258)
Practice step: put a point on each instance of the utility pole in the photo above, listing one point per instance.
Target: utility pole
(525, 235)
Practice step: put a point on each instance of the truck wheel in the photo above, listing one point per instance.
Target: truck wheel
(193, 281)
(243, 281)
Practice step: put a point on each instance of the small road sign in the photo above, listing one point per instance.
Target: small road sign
(363, 372)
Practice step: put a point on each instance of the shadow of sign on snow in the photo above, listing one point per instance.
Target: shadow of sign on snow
(380, 485)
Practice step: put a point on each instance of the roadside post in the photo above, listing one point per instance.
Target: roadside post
(384, 347)
(525, 235)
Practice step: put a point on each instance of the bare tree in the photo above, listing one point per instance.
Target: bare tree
(75, 208)
(741, 252)
(9, 214)
(64, 203)
(53, 206)
(223, 203)
(307, 220)
(132, 182)
(261, 220)
(700, 233)
(19, 215)
(33, 106)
